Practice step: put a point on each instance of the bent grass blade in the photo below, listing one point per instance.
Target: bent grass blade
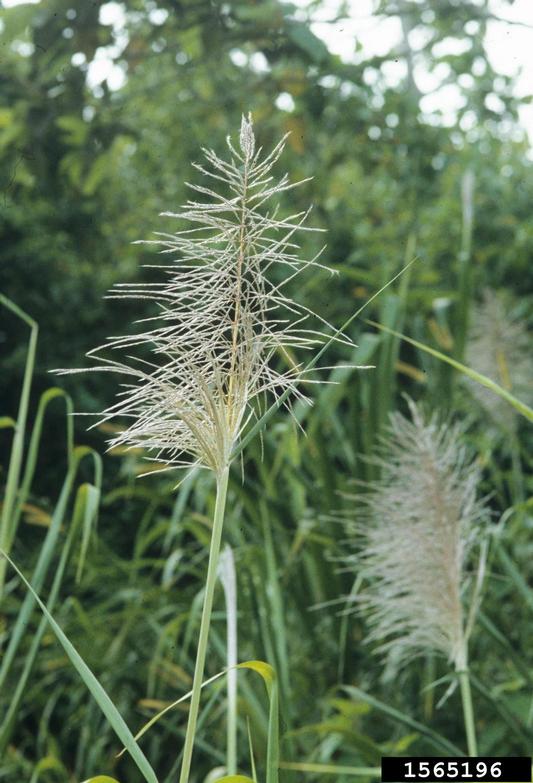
(97, 691)
(235, 779)
(46, 554)
(101, 779)
(17, 449)
(85, 510)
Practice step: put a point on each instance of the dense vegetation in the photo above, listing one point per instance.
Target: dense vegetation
(85, 170)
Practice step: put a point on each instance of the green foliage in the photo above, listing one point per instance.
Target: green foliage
(84, 171)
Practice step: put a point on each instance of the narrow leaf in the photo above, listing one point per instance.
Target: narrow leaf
(521, 407)
(101, 779)
(332, 769)
(97, 691)
(269, 678)
(235, 779)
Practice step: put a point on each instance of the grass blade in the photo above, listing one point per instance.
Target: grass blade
(101, 779)
(169, 707)
(17, 449)
(33, 450)
(86, 505)
(332, 769)
(44, 560)
(235, 779)
(513, 572)
(269, 678)
(500, 706)
(521, 407)
(502, 640)
(96, 690)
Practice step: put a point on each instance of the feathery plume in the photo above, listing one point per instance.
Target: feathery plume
(221, 317)
(420, 522)
(499, 347)
(194, 373)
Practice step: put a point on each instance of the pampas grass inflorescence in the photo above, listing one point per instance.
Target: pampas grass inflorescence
(194, 373)
(499, 347)
(220, 319)
(421, 521)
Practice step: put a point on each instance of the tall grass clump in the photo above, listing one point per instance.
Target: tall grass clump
(194, 371)
(419, 526)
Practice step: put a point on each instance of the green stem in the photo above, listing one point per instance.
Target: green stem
(231, 608)
(214, 551)
(468, 712)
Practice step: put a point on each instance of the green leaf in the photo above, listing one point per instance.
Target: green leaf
(44, 560)
(17, 449)
(235, 779)
(17, 693)
(521, 407)
(75, 129)
(86, 507)
(99, 694)
(268, 674)
(97, 174)
(513, 572)
(265, 670)
(33, 451)
(332, 769)
(101, 779)
(269, 678)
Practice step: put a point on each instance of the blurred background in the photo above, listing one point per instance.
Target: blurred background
(414, 120)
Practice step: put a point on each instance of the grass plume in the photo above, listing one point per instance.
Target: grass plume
(499, 347)
(420, 522)
(220, 317)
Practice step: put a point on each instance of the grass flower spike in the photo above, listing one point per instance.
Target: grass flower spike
(193, 374)
(421, 521)
(220, 320)
(499, 347)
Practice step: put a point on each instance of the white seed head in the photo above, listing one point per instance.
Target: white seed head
(499, 347)
(192, 375)
(418, 525)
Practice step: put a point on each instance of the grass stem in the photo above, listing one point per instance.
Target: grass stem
(212, 568)
(468, 713)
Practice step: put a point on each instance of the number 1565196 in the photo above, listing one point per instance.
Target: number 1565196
(395, 769)
(453, 769)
